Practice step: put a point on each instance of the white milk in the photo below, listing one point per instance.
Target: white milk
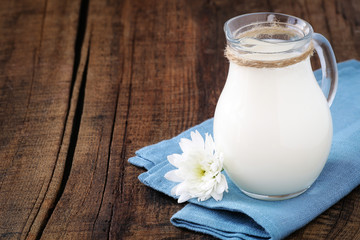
(274, 127)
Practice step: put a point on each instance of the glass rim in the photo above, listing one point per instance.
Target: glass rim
(232, 40)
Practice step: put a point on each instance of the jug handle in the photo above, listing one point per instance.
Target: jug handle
(329, 82)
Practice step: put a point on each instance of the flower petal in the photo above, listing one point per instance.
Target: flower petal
(217, 196)
(197, 140)
(198, 169)
(175, 160)
(186, 145)
(182, 189)
(203, 198)
(173, 190)
(183, 198)
(222, 185)
(173, 176)
(209, 144)
(218, 178)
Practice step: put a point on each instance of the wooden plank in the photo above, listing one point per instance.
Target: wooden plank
(36, 55)
(141, 72)
(134, 77)
(161, 70)
(84, 208)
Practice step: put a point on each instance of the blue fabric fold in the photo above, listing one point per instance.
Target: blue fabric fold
(238, 216)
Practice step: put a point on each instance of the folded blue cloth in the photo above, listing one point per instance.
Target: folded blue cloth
(238, 216)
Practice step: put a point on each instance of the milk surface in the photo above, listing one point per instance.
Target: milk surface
(274, 128)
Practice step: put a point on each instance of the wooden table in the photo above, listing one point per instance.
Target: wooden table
(84, 84)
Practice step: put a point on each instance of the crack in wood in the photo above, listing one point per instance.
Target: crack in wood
(106, 177)
(117, 184)
(123, 227)
(123, 147)
(78, 110)
(109, 153)
(72, 144)
(107, 164)
(123, 150)
(32, 208)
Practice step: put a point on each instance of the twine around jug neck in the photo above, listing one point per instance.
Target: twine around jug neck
(237, 58)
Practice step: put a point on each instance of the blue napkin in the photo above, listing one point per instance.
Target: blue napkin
(238, 216)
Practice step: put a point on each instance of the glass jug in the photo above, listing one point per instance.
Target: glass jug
(272, 121)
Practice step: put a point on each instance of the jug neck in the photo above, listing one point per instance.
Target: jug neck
(268, 37)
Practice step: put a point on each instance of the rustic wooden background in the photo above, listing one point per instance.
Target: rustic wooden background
(85, 83)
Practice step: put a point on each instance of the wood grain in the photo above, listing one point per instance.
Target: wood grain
(84, 84)
(37, 42)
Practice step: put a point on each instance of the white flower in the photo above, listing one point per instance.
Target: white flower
(198, 169)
